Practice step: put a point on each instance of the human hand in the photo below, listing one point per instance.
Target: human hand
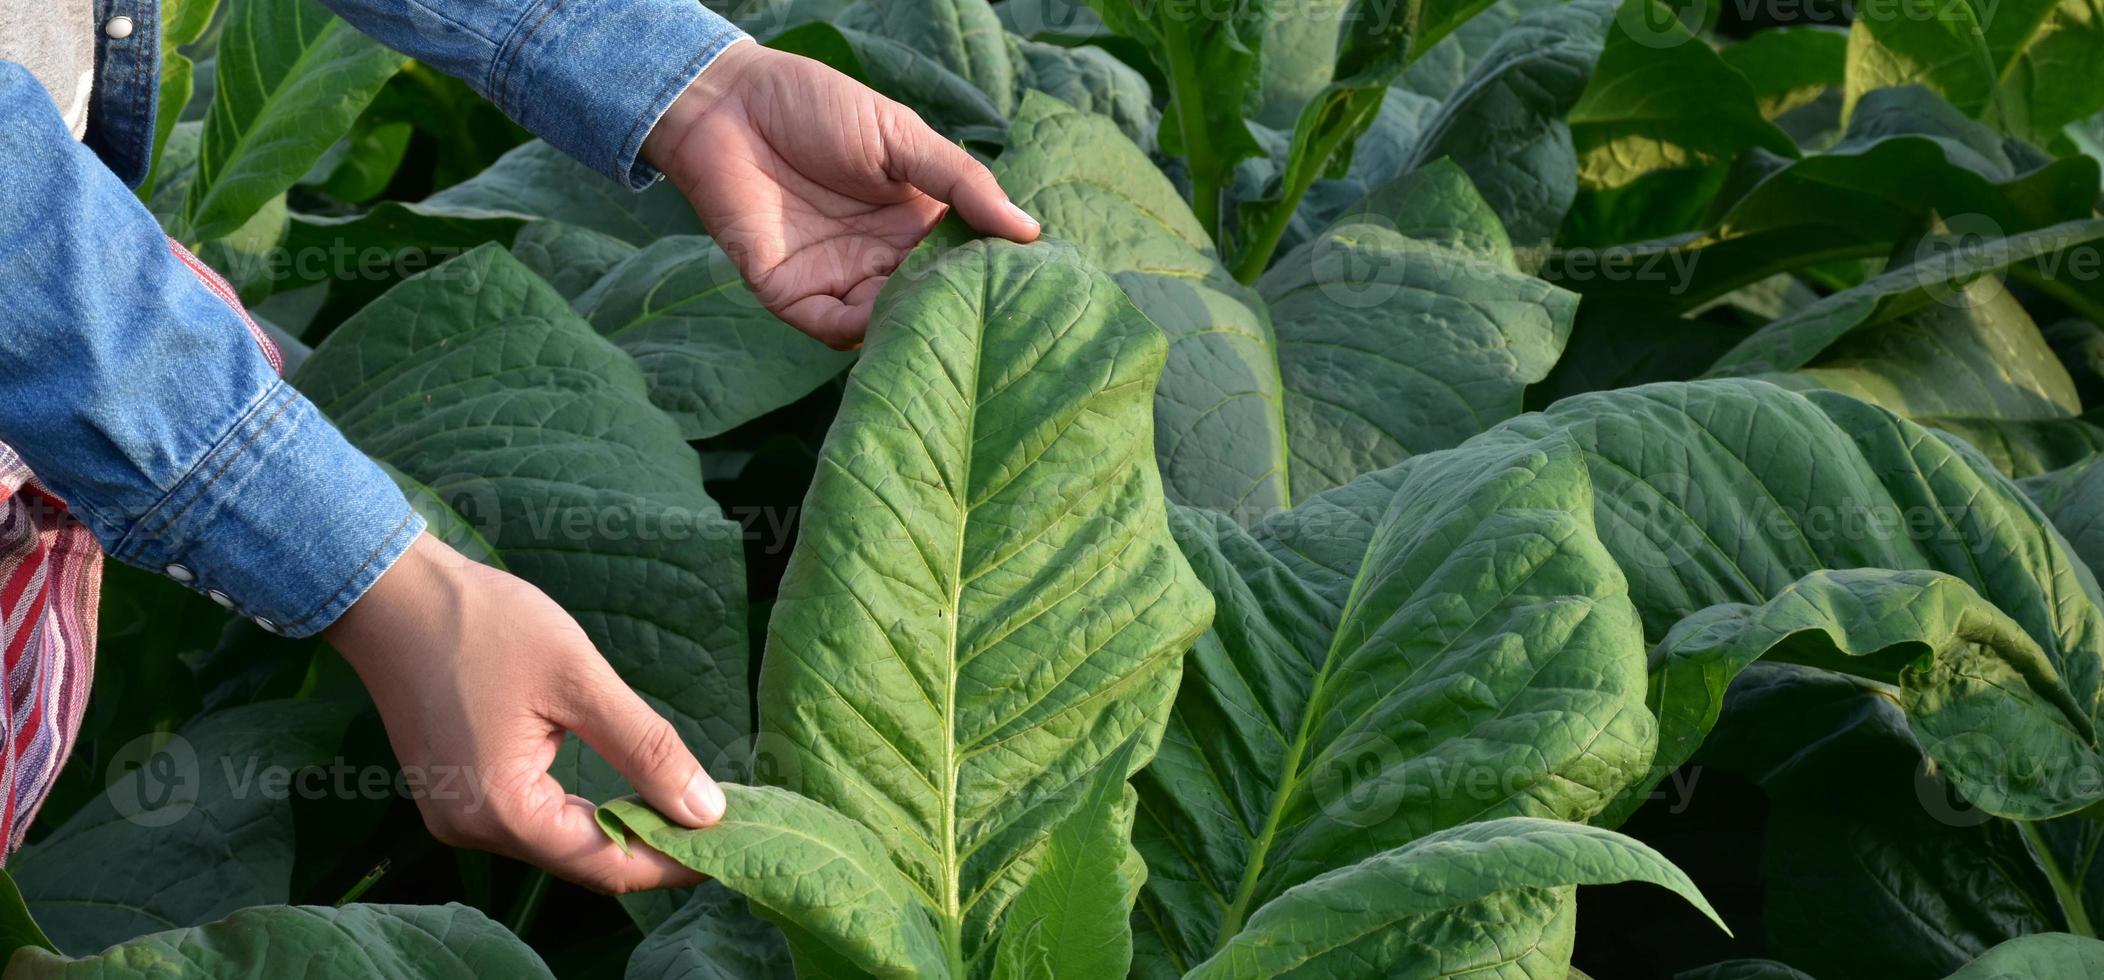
(477, 675)
(816, 186)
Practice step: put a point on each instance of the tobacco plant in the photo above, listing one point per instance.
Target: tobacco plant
(1446, 457)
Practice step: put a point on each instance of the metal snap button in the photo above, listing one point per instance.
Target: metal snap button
(118, 28)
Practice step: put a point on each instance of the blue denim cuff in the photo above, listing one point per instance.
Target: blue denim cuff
(593, 76)
(283, 521)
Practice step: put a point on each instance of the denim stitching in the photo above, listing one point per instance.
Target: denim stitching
(143, 95)
(503, 83)
(356, 574)
(231, 456)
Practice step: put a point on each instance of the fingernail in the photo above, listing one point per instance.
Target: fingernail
(1017, 210)
(705, 798)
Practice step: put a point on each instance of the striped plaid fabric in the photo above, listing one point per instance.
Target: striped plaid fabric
(50, 589)
(50, 584)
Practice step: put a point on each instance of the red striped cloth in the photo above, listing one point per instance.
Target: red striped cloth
(50, 589)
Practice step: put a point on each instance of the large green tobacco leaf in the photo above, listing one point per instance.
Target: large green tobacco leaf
(531, 181)
(291, 80)
(1300, 53)
(1429, 646)
(1871, 868)
(1073, 920)
(17, 927)
(189, 835)
(1973, 356)
(361, 164)
(2049, 55)
(2073, 499)
(2031, 447)
(2050, 955)
(951, 103)
(714, 936)
(1939, 277)
(358, 257)
(1790, 67)
(1445, 67)
(821, 875)
(537, 180)
(1210, 60)
(1732, 492)
(1406, 329)
(963, 37)
(1377, 41)
(1381, 154)
(1398, 911)
(714, 357)
(182, 23)
(1091, 80)
(953, 63)
(570, 258)
(478, 382)
(1504, 125)
(1936, 44)
(352, 942)
(2034, 66)
(1656, 130)
(1842, 203)
(1976, 689)
(983, 607)
(463, 130)
(1219, 412)
(361, 255)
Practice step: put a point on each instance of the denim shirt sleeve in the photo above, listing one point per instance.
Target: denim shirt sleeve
(589, 76)
(136, 393)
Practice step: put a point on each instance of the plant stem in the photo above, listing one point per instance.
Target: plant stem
(522, 914)
(1238, 910)
(1187, 94)
(363, 884)
(953, 939)
(2069, 892)
(1205, 203)
(1254, 254)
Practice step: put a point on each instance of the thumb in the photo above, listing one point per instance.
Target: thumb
(645, 749)
(942, 170)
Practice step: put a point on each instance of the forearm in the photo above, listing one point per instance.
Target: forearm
(591, 77)
(142, 396)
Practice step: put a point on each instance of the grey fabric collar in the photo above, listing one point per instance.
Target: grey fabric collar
(55, 40)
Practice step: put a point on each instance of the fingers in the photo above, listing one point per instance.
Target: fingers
(838, 322)
(566, 841)
(520, 811)
(942, 170)
(585, 855)
(644, 748)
